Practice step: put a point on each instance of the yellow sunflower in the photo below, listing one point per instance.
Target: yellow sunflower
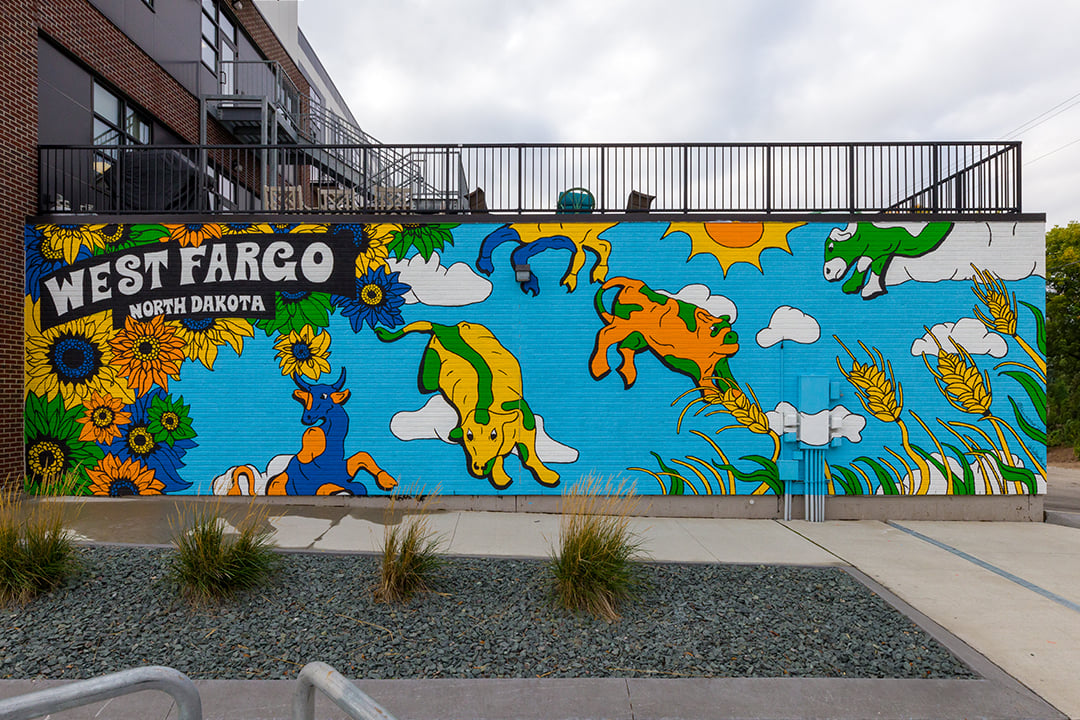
(304, 353)
(72, 237)
(118, 478)
(373, 246)
(73, 359)
(245, 228)
(203, 336)
(102, 420)
(147, 353)
(192, 234)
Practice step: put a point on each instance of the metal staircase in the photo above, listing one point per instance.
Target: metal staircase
(257, 103)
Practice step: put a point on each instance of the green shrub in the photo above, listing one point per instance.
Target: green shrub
(209, 564)
(36, 551)
(594, 567)
(410, 556)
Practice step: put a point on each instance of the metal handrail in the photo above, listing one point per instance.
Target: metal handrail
(348, 697)
(722, 178)
(105, 687)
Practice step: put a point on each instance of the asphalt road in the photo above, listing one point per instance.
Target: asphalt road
(1063, 488)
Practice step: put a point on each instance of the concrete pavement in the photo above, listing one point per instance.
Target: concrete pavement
(1004, 597)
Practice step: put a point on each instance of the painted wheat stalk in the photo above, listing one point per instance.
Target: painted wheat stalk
(1002, 307)
(966, 389)
(747, 412)
(883, 397)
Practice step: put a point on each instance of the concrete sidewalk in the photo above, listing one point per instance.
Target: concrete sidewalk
(1004, 597)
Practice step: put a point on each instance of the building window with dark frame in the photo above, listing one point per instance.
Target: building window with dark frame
(116, 122)
(218, 39)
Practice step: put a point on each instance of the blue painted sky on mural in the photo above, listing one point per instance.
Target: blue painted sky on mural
(715, 71)
(559, 329)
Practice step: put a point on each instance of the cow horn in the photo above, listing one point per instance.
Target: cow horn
(301, 384)
(340, 381)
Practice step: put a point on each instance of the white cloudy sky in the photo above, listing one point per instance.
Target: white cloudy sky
(716, 71)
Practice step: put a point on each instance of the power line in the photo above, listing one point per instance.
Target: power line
(1077, 140)
(1042, 117)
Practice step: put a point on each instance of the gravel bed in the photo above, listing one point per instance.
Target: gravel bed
(491, 618)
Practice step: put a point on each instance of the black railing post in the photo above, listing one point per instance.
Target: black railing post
(520, 187)
(935, 178)
(851, 179)
(685, 179)
(768, 179)
(1017, 176)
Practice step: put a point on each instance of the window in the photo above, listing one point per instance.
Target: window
(116, 122)
(218, 36)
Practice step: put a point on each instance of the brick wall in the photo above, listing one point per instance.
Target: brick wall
(18, 153)
(88, 35)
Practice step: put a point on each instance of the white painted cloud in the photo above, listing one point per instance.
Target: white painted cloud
(819, 428)
(1010, 250)
(433, 284)
(437, 418)
(788, 323)
(969, 332)
(982, 472)
(239, 475)
(701, 295)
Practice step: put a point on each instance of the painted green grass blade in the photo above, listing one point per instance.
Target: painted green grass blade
(884, 477)
(967, 485)
(942, 465)
(678, 485)
(848, 480)
(1040, 325)
(1036, 390)
(1030, 429)
(1015, 474)
(768, 473)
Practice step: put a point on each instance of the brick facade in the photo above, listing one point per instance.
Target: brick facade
(86, 34)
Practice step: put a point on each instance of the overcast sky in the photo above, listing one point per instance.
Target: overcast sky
(716, 71)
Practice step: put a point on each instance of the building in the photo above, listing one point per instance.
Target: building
(230, 288)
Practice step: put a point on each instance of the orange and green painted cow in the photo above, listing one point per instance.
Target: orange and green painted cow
(683, 336)
(481, 380)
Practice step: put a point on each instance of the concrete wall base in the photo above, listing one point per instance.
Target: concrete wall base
(1014, 508)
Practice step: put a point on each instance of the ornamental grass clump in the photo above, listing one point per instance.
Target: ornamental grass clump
(410, 555)
(36, 551)
(212, 565)
(595, 567)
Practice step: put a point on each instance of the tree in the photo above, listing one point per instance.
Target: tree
(1063, 334)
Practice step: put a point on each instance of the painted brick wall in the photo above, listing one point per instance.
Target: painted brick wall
(686, 357)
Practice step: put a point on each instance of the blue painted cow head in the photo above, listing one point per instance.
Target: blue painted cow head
(320, 401)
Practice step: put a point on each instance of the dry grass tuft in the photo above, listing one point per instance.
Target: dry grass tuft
(210, 565)
(410, 555)
(595, 566)
(36, 551)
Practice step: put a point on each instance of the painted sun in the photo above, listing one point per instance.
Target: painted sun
(734, 242)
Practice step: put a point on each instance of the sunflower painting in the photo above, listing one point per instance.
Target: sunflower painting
(147, 353)
(378, 301)
(73, 360)
(114, 477)
(202, 336)
(102, 420)
(304, 353)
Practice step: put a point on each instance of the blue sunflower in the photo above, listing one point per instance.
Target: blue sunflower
(378, 301)
(44, 255)
(137, 442)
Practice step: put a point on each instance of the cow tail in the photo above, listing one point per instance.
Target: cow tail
(385, 335)
(598, 299)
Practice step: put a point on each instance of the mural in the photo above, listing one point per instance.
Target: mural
(170, 358)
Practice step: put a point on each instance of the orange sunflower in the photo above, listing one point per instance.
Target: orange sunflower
(116, 478)
(147, 353)
(102, 420)
(192, 234)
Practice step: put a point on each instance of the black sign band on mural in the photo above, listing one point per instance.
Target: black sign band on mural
(228, 277)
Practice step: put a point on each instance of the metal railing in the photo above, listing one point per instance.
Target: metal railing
(972, 177)
(106, 687)
(313, 676)
(348, 697)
